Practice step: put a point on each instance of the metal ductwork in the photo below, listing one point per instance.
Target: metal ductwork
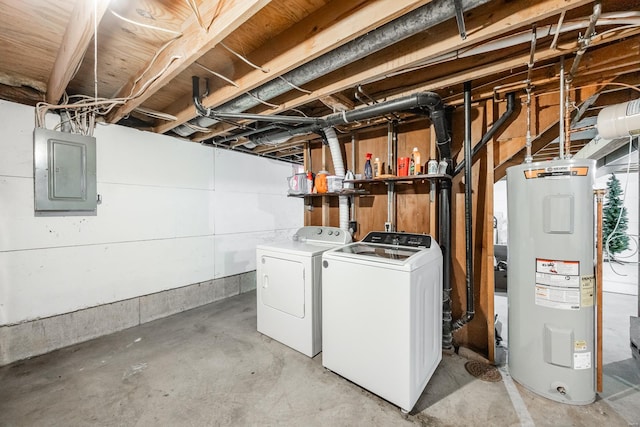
(429, 102)
(425, 17)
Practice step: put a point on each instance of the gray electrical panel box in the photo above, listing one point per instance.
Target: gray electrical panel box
(64, 172)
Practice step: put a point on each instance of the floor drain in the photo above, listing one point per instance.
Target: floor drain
(483, 371)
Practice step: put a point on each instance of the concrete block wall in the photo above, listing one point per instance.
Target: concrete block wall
(40, 336)
(174, 214)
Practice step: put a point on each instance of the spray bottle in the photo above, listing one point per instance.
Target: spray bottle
(368, 172)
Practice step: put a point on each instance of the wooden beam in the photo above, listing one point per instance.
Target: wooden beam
(76, 39)
(484, 24)
(193, 43)
(512, 153)
(542, 140)
(21, 94)
(290, 153)
(332, 26)
(272, 148)
(337, 102)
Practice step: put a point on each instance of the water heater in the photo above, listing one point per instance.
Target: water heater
(551, 282)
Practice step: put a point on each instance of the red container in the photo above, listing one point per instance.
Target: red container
(403, 166)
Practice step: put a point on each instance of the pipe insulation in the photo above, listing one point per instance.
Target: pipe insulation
(338, 166)
(622, 20)
(425, 17)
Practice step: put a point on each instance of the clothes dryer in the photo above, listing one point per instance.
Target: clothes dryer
(289, 287)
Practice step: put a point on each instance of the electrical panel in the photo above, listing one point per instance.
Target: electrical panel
(64, 172)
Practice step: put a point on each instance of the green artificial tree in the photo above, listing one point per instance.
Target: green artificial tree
(616, 240)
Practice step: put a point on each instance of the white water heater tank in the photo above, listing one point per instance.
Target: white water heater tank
(551, 282)
(620, 120)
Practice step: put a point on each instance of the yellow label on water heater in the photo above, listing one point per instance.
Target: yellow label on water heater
(587, 290)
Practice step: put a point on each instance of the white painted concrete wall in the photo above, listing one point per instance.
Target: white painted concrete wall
(173, 213)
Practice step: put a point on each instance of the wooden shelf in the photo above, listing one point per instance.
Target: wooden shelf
(410, 179)
(360, 192)
(344, 192)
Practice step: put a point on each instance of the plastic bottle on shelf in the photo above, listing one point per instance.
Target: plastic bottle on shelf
(377, 167)
(432, 167)
(403, 166)
(321, 182)
(415, 168)
(309, 182)
(368, 171)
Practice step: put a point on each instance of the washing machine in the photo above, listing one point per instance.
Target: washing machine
(382, 314)
(289, 287)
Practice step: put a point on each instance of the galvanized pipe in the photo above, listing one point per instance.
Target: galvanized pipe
(586, 40)
(468, 207)
(427, 16)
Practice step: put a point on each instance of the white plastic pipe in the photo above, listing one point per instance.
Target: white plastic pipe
(338, 166)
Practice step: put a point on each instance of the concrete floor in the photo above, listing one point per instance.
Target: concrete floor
(209, 366)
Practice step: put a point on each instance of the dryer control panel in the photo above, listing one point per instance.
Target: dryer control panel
(399, 239)
(319, 234)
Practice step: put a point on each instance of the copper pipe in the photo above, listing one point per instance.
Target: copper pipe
(561, 105)
(567, 121)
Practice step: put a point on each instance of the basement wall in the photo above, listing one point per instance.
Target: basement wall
(177, 228)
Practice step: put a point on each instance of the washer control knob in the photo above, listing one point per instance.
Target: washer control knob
(319, 231)
(330, 232)
(337, 233)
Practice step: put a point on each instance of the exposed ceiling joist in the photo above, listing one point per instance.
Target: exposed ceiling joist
(491, 21)
(315, 35)
(86, 16)
(194, 42)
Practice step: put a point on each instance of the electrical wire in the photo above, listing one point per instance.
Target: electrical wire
(196, 11)
(153, 60)
(244, 59)
(140, 24)
(220, 76)
(614, 232)
(268, 104)
(294, 86)
(82, 113)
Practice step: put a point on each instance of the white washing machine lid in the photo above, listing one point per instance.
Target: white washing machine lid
(389, 255)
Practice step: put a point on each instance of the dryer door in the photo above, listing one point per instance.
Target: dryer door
(282, 285)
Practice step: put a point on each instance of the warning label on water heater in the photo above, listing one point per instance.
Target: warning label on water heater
(558, 284)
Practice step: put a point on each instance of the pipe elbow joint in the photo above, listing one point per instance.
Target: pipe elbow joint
(430, 100)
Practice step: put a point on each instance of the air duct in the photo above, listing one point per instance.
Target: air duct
(620, 120)
(427, 16)
(338, 166)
